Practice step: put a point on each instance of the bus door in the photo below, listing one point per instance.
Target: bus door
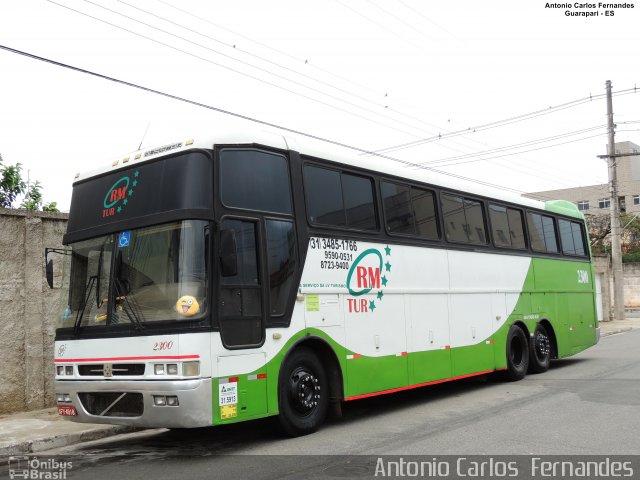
(257, 260)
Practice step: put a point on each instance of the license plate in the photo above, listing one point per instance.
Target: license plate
(67, 411)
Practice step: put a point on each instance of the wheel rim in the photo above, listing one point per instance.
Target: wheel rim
(542, 346)
(304, 390)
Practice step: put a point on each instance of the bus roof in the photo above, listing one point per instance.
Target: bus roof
(343, 155)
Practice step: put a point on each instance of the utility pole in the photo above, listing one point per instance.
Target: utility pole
(616, 243)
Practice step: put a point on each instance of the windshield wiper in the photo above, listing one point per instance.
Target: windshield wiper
(85, 300)
(127, 307)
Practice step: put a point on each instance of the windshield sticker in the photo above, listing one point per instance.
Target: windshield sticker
(124, 238)
(119, 195)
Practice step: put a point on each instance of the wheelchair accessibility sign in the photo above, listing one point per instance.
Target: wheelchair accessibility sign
(124, 238)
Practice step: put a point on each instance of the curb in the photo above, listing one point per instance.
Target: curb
(57, 441)
(619, 330)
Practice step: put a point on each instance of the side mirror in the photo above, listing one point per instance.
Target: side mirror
(49, 263)
(49, 273)
(228, 253)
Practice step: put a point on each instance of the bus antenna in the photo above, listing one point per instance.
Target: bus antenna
(144, 135)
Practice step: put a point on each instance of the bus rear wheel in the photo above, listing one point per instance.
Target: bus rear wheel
(540, 356)
(517, 354)
(302, 393)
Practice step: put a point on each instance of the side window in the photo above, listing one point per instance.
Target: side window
(542, 232)
(324, 196)
(240, 301)
(571, 237)
(339, 199)
(423, 203)
(507, 226)
(281, 258)
(409, 210)
(358, 201)
(255, 180)
(396, 201)
(463, 220)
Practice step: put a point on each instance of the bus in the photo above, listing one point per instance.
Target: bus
(248, 275)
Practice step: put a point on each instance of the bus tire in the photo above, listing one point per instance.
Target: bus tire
(540, 350)
(302, 393)
(517, 354)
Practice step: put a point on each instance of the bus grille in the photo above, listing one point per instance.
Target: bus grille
(112, 404)
(117, 369)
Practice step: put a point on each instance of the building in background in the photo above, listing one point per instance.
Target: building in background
(594, 199)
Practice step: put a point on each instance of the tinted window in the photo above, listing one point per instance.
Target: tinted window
(358, 202)
(423, 203)
(506, 226)
(396, 200)
(240, 300)
(571, 237)
(255, 180)
(463, 219)
(542, 233)
(339, 199)
(324, 196)
(409, 210)
(281, 257)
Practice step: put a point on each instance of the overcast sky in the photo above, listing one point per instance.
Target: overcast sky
(372, 74)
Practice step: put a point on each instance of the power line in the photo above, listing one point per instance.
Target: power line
(251, 119)
(379, 25)
(281, 77)
(245, 63)
(443, 161)
(500, 123)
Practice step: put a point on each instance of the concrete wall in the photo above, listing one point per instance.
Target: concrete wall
(28, 308)
(631, 285)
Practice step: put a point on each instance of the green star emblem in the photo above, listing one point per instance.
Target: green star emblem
(119, 209)
(388, 266)
(372, 305)
(135, 183)
(380, 295)
(384, 281)
(130, 192)
(387, 250)
(136, 173)
(125, 201)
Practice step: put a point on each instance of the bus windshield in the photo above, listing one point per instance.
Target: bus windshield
(138, 276)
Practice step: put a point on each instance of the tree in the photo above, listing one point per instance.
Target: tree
(12, 185)
(600, 227)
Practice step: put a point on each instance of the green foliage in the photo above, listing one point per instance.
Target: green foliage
(12, 186)
(631, 257)
(50, 207)
(11, 183)
(33, 199)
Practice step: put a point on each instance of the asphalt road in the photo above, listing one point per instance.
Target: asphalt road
(588, 404)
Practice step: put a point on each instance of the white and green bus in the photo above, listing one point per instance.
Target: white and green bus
(250, 275)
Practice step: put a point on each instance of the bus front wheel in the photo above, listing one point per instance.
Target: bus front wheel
(540, 356)
(517, 354)
(302, 393)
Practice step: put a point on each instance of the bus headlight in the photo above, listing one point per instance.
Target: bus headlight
(158, 369)
(191, 369)
(172, 368)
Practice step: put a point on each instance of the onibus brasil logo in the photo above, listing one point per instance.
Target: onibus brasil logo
(119, 195)
(369, 273)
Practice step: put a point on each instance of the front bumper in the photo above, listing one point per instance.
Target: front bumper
(194, 396)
